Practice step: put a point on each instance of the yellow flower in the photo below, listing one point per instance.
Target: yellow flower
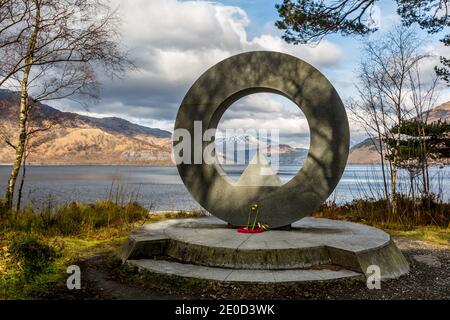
(263, 226)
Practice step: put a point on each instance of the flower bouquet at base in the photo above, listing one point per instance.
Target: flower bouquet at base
(255, 226)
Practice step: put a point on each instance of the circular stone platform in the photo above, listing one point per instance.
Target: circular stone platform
(314, 249)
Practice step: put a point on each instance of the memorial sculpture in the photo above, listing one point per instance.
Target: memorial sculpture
(254, 72)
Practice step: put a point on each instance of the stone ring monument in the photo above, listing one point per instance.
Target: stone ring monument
(273, 72)
(208, 248)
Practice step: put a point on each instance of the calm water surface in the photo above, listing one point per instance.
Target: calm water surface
(160, 188)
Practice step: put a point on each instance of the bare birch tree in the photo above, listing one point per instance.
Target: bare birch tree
(423, 98)
(388, 86)
(53, 49)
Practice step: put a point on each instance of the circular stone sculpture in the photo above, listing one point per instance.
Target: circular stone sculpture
(273, 72)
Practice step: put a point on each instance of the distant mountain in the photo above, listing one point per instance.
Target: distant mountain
(441, 112)
(79, 139)
(243, 148)
(296, 156)
(366, 151)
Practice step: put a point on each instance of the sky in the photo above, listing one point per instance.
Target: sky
(172, 42)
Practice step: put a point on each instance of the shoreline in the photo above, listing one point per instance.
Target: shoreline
(161, 164)
(92, 165)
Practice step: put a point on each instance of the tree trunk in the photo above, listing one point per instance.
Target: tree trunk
(20, 146)
(411, 186)
(383, 170)
(394, 189)
(424, 163)
(383, 162)
(22, 181)
(396, 156)
(23, 111)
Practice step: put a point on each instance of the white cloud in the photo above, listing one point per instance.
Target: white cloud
(173, 42)
(325, 54)
(427, 69)
(187, 25)
(285, 126)
(176, 40)
(265, 111)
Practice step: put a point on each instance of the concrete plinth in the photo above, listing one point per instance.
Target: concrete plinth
(313, 249)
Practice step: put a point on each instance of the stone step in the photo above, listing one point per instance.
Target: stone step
(311, 242)
(241, 275)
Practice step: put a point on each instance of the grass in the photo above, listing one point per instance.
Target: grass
(37, 247)
(42, 274)
(425, 233)
(75, 219)
(427, 221)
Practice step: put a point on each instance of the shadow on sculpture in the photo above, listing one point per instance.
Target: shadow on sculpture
(271, 72)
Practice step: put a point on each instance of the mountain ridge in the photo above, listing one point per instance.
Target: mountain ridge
(80, 139)
(365, 152)
(46, 111)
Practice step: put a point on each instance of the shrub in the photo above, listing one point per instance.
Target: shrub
(75, 219)
(34, 256)
(3, 208)
(410, 213)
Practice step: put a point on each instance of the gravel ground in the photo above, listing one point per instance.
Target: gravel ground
(429, 279)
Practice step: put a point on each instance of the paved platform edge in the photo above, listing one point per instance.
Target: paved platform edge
(146, 244)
